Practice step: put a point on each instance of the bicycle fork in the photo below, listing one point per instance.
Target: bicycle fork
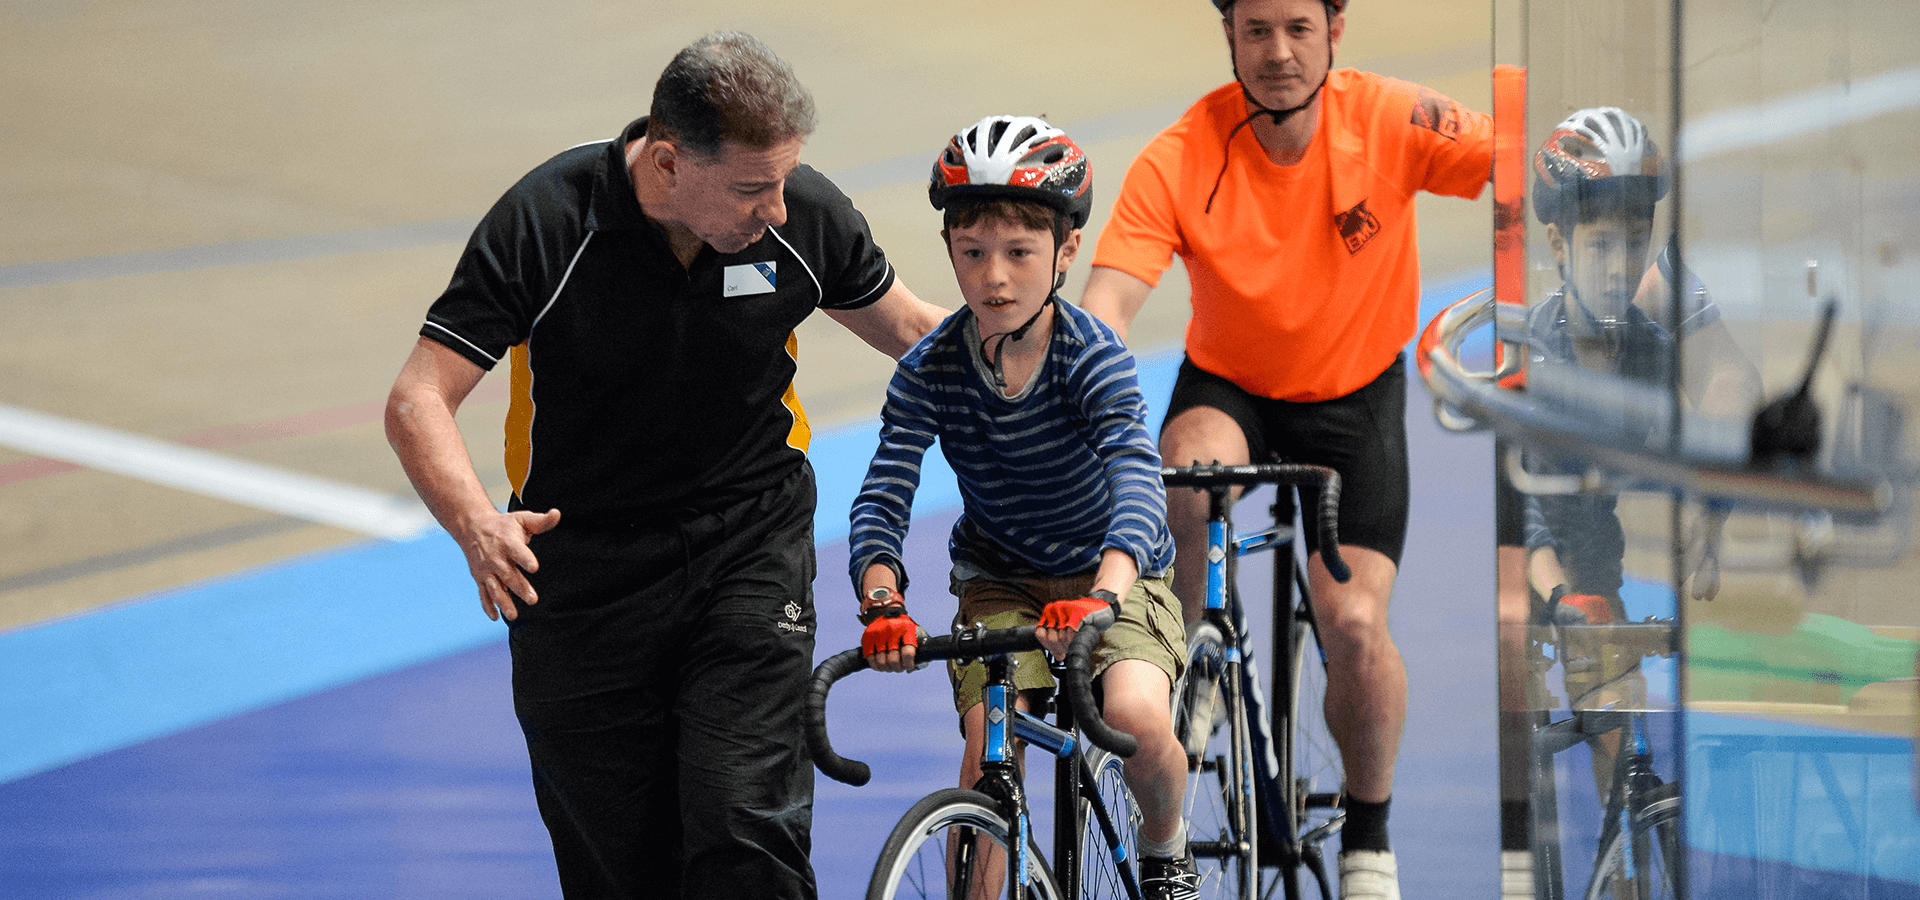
(1634, 780)
(1073, 780)
(1000, 779)
(1074, 783)
(1236, 769)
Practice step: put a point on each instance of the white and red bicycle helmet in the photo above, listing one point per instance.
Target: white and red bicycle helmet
(1016, 157)
(1596, 155)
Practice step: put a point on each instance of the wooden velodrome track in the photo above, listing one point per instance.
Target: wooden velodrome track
(224, 222)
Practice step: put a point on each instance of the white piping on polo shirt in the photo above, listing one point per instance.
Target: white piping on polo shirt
(883, 279)
(819, 291)
(455, 335)
(533, 407)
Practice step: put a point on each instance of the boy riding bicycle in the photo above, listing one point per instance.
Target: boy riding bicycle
(1597, 178)
(1037, 408)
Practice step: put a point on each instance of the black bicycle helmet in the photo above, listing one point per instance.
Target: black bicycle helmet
(1017, 157)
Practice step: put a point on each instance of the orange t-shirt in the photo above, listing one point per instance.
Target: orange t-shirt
(1306, 278)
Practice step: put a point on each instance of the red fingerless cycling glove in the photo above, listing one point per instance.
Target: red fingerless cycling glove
(1594, 610)
(889, 633)
(1068, 613)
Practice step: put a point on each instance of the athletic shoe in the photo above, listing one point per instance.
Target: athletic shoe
(1169, 879)
(1516, 875)
(1369, 875)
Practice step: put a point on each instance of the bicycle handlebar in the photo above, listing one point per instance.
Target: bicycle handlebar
(1649, 638)
(1327, 523)
(972, 643)
(1079, 687)
(837, 767)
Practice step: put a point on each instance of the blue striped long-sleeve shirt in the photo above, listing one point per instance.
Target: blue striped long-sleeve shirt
(1053, 476)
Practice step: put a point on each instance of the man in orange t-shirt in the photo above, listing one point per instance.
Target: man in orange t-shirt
(1300, 243)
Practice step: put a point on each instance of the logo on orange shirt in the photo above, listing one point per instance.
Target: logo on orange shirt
(1357, 227)
(1438, 114)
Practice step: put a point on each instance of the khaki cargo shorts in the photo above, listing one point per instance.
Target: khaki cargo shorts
(1150, 628)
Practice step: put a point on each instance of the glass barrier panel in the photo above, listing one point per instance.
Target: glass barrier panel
(1708, 297)
(1799, 176)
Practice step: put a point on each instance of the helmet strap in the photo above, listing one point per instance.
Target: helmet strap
(999, 374)
(1279, 116)
(1582, 319)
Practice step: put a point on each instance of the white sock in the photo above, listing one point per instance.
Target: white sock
(1168, 849)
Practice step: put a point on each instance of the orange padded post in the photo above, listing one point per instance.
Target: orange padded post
(1509, 190)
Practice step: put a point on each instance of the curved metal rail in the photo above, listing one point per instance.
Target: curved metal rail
(1628, 436)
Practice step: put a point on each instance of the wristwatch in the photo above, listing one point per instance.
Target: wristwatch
(881, 595)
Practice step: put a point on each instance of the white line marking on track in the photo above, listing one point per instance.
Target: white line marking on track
(1793, 115)
(214, 475)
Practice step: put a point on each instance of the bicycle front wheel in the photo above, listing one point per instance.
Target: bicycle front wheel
(1105, 856)
(1308, 752)
(1210, 719)
(1642, 863)
(953, 844)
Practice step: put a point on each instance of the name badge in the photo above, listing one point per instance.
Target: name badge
(747, 280)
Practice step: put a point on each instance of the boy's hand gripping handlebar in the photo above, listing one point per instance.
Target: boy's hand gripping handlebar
(971, 643)
(1079, 687)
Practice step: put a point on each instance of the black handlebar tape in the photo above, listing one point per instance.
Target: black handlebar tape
(971, 643)
(1330, 529)
(1079, 687)
(976, 642)
(1290, 474)
(836, 667)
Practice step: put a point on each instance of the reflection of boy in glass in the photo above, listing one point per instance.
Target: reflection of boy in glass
(1596, 181)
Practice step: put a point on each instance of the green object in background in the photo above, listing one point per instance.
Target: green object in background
(1825, 659)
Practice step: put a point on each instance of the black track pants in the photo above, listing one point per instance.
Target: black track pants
(659, 682)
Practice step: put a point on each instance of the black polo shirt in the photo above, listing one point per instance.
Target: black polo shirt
(641, 387)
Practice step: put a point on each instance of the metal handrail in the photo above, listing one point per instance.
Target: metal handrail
(1627, 436)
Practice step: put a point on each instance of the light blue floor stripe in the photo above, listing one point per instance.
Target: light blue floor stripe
(140, 670)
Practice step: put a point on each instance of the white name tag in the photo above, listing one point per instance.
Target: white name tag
(747, 280)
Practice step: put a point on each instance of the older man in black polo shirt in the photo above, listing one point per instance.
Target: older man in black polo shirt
(644, 292)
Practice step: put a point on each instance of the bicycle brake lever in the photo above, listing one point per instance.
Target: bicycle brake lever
(1788, 428)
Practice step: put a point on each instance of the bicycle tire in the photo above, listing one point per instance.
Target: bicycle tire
(1316, 776)
(1219, 804)
(1101, 861)
(914, 862)
(1642, 862)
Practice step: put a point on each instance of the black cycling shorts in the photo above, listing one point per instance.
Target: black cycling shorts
(1362, 435)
